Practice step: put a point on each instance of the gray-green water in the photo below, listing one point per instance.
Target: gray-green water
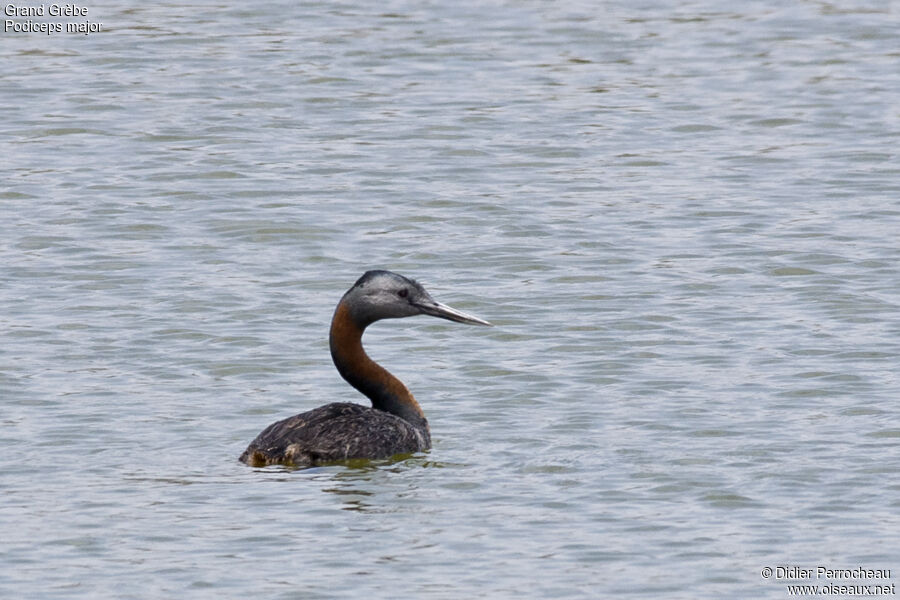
(683, 219)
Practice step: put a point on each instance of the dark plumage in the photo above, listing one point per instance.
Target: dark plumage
(335, 432)
(395, 423)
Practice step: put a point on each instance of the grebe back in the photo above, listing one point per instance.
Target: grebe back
(395, 423)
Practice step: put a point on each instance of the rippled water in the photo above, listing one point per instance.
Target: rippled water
(681, 217)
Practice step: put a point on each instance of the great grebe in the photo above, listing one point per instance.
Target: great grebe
(395, 423)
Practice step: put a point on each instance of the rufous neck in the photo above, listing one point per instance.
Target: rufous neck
(386, 392)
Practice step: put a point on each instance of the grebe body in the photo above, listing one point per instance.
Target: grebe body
(395, 423)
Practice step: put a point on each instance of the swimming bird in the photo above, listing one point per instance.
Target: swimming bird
(395, 423)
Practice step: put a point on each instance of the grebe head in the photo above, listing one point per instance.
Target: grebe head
(386, 295)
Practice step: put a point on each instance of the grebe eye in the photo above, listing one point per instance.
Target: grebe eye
(403, 293)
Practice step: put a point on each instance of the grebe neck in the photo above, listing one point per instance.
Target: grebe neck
(386, 392)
